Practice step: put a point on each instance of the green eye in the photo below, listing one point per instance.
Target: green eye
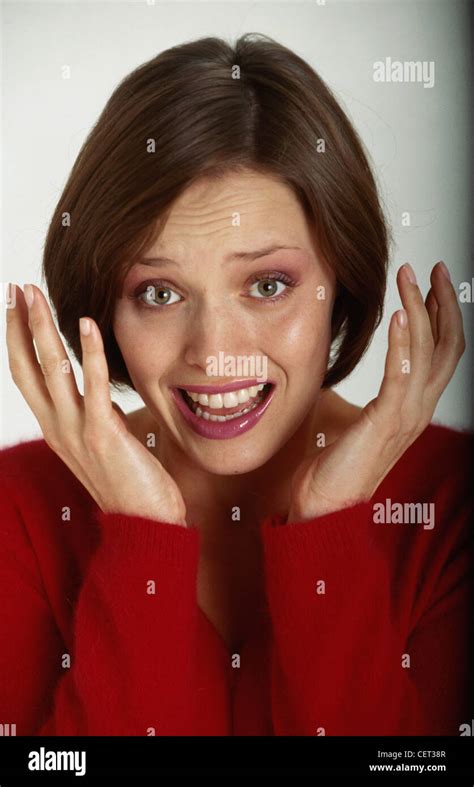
(162, 296)
(267, 288)
(159, 296)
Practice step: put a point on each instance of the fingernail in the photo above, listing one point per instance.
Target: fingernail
(445, 270)
(402, 318)
(84, 326)
(11, 296)
(29, 295)
(410, 273)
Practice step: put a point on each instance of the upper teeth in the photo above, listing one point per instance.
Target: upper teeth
(229, 399)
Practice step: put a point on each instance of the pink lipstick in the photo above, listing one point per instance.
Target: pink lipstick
(236, 424)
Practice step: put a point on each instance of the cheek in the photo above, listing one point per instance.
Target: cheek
(146, 351)
(304, 337)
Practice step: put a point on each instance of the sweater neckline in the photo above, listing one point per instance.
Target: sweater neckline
(254, 631)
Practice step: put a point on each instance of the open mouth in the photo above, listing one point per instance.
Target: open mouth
(228, 406)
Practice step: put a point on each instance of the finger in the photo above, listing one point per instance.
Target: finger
(421, 340)
(386, 409)
(23, 363)
(97, 399)
(52, 356)
(450, 343)
(121, 415)
(431, 305)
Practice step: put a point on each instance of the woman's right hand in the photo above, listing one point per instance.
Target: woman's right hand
(89, 433)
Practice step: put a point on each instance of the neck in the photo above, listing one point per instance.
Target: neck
(211, 499)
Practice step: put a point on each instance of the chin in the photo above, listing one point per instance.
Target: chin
(231, 462)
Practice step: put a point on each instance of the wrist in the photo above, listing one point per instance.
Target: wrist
(304, 513)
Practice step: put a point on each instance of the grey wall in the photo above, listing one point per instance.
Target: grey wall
(417, 136)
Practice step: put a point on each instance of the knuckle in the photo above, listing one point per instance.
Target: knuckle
(373, 419)
(394, 427)
(51, 438)
(409, 428)
(91, 350)
(16, 369)
(455, 344)
(69, 442)
(459, 343)
(49, 364)
(69, 433)
(444, 344)
(426, 344)
(58, 437)
(34, 321)
(93, 439)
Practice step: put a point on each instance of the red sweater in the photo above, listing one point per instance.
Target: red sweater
(366, 631)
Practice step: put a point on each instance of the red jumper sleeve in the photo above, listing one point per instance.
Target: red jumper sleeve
(353, 652)
(132, 666)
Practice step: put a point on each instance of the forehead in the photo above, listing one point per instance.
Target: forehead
(235, 207)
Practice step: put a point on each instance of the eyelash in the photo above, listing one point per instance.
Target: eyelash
(271, 276)
(275, 276)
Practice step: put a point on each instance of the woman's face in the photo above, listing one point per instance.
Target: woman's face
(204, 316)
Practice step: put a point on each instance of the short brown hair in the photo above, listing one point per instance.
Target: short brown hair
(212, 108)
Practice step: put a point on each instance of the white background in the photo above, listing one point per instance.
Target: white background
(418, 138)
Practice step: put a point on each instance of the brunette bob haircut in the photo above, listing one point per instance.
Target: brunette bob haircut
(203, 109)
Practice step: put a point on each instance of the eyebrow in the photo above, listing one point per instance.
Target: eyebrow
(245, 256)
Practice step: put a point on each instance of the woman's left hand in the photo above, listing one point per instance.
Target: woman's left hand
(426, 341)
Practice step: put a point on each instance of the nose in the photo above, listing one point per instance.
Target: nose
(217, 327)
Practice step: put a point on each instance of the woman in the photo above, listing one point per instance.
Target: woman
(227, 559)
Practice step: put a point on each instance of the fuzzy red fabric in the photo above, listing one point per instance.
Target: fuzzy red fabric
(365, 631)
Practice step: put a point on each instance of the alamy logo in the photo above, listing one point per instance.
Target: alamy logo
(8, 729)
(44, 760)
(389, 70)
(404, 514)
(223, 365)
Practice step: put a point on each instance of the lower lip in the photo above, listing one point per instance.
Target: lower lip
(222, 430)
